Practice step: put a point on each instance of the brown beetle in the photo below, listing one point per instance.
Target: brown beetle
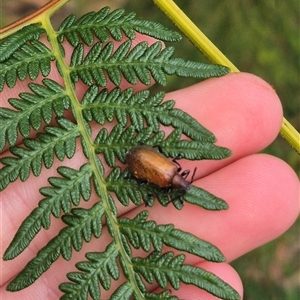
(148, 164)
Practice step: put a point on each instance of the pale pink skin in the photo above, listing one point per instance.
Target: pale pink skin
(262, 191)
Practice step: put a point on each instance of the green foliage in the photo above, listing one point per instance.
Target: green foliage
(141, 62)
(61, 122)
(262, 38)
(31, 59)
(31, 110)
(167, 268)
(104, 25)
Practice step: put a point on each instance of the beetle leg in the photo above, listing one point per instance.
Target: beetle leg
(185, 174)
(174, 160)
(142, 182)
(178, 156)
(147, 201)
(147, 195)
(176, 197)
(177, 163)
(159, 148)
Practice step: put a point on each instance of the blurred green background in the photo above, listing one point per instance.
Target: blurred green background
(260, 37)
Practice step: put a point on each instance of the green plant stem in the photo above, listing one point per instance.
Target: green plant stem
(213, 54)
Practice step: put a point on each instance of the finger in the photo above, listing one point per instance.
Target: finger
(234, 124)
(242, 110)
(263, 197)
(25, 195)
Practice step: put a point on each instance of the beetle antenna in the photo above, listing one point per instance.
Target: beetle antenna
(194, 172)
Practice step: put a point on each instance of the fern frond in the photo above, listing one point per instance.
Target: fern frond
(200, 149)
(165, 295)
(105, 24)
(116, 143)
(141, 62)
(135, 118)
(122, 187)
(128, 189)
(141, 234)
(31, 59)
(144, 234)
(204, 199)
(167, 269)
(142, 108)
(59, 197)
(14, 42)
(60, 141)
(123, 292)
(190, 127)
(81, 225)
(100, 267)
(31, 109)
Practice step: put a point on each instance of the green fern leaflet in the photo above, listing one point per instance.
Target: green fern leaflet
(53, 122)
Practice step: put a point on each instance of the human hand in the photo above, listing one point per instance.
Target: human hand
(262, 191)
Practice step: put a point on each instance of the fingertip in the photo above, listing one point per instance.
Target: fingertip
(263, 196)
(241, 109)
(259, 105)
(255, 117)
(275, 193)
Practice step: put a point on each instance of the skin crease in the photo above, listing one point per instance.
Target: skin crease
(262, 191)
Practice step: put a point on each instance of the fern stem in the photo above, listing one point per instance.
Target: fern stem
(291, 135)
(118, 240)
(213, 54)
(90, 153)
(193, 33)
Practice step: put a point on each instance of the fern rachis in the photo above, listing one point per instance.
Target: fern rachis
(102, 124)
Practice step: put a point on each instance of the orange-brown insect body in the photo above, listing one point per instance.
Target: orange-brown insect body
(147, 164)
